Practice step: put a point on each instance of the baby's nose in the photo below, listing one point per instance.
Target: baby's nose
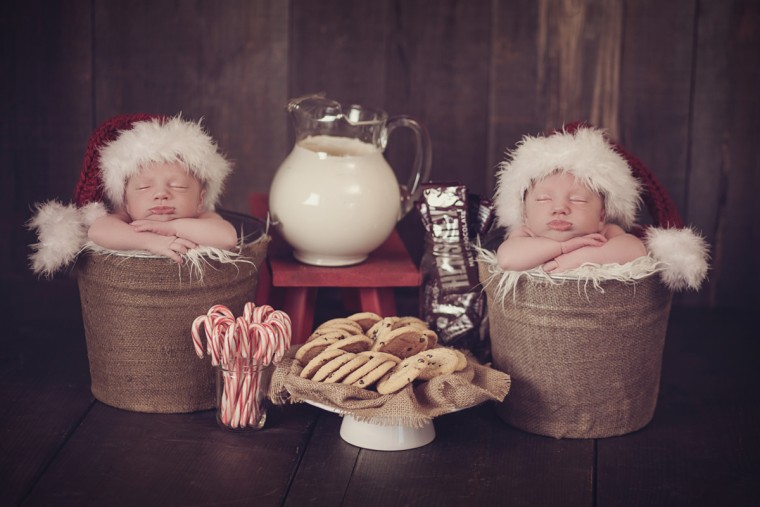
(161, 193)
(561, 207)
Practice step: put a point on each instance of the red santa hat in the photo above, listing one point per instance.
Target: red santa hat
(117, 150)
(606, 168)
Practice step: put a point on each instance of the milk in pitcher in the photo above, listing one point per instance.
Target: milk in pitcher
(336, 199)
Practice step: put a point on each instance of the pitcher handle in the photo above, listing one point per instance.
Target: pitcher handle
(422, 160)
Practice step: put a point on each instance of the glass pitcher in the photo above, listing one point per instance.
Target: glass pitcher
(335, 198)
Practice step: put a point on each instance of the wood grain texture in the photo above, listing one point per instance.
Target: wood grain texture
(723, 176)
(656, 88)
(223, 63)
(476, 459)
(438, 73)
(61, 448)
(673, 82)
(44, 381)
(339, 48)
(46, 113)
(176, 459)
(702, 445)
(514, 68)
(578, 50)
(326, 468)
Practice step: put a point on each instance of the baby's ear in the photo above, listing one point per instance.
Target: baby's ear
(201, 200)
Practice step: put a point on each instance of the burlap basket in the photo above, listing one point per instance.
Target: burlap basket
(584, 363)
(137, 314)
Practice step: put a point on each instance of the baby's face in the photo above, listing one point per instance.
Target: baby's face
(560, 207)
(163, 192)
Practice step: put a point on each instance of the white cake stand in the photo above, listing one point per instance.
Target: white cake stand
(378, 436)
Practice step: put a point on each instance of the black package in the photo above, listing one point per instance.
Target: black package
(452, 301)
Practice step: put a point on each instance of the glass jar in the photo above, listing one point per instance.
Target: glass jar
(241, 395)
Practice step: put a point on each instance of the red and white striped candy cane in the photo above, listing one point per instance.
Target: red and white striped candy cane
(248, 312)
(261, 313)
(264, 336)
(243, 347)
(196, 334)
(219, 327)
(281, 322)
(243, 337)
(220, 310)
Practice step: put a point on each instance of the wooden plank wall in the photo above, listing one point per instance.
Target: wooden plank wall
(675, 82)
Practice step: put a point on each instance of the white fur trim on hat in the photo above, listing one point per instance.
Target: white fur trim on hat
(170, 140)
(586, 154)
(683, 254)
(62, 232)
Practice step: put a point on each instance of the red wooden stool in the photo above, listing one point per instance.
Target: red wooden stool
(295, 284)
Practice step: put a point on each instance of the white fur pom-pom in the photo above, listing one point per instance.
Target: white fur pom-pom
(91, 212)
(683, 253)
(61, 234)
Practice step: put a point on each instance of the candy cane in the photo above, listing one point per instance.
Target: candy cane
(265, 337)
(261, 313)
(243, 337)
(248, 312)
(283, 333)
(220, 310)
(255, 413)
(195, 332)
(260, 337)
(245, 398)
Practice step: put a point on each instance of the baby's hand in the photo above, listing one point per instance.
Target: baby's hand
(572, 244)
(171, 247)
(162, 228)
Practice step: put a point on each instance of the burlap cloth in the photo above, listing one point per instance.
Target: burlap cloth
(584, 362)
(413, 406)
(137, 315)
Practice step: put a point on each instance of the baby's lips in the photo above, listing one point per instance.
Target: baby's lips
(162, 210)
(560, 225)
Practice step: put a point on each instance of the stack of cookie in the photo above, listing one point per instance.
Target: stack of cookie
(368, 351)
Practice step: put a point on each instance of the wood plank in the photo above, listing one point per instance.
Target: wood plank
(438, 73)
(553, 63)
(702, 446)
(326, 468)
(724, 162)
(578, 47)
(39, 420)
(655, 88)
(46, 113)
(388, 266)
(339, 47)
(244, 78)
(476, 459)
(225, 63)
(44, 381)
(127, 458)
(514, 67)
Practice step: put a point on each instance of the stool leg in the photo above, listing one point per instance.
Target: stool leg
(299, 305)
(264, 286)
(379, 300)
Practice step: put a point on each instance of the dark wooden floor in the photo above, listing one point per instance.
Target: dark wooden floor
(61, 447)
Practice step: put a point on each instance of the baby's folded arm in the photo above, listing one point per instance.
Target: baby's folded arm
(207, 230)
(524, 252)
